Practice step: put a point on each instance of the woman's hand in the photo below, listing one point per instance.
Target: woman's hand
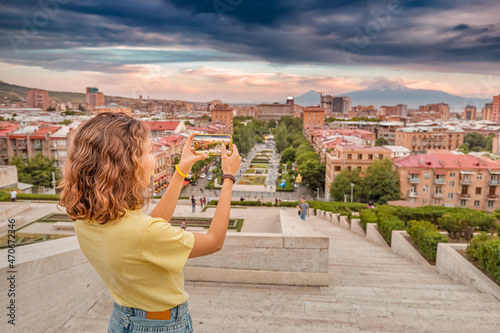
(188, 157)
(230, 164)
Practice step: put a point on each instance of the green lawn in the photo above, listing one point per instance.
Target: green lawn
(252, 180)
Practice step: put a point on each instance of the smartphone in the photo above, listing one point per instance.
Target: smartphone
(211, 144)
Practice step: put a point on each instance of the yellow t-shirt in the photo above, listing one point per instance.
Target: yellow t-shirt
(140, 258)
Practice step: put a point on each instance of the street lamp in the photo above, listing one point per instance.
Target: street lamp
(352, 190)
(298, 180)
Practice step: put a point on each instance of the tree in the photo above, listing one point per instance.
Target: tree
(342, 185)
(246, 139)
(272, 123)
(381, 142)
(288, 155)
(280, 139)
(51, 109)
(37, 171)
(81, 108)
(464, 148)
(313, 174)
(309, 155)
(188, 123)
(381, 182)
(303, 148)
(65, 122)
(477, 142)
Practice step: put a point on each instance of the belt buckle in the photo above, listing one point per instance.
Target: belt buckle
(161, 315)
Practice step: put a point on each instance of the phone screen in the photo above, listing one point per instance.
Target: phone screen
(211, 144)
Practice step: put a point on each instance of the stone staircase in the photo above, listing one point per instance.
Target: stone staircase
(371, 289)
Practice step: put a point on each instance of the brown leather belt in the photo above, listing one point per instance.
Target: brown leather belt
(161, 315)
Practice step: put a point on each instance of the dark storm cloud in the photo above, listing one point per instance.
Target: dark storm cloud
(279, 32)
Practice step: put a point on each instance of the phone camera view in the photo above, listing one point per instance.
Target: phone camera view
(212, 144)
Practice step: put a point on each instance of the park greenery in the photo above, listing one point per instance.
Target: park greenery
(37, 170)
(381, 142)
(477, 142)
(378, 183)
(295, 148)
(247, 131)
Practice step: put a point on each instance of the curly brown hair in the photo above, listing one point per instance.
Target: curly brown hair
(104, 173)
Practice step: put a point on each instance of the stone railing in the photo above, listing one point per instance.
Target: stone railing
(297, 255)
(52, 282)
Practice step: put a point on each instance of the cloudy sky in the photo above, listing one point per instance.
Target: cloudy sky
(250, 50)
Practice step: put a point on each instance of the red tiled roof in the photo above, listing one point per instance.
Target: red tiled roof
(445, 161)
(162, 125)
(40, 134)
(7, 127)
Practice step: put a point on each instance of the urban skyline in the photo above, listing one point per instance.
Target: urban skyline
(249, 51)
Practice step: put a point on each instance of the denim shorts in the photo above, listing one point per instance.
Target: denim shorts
(131, 320)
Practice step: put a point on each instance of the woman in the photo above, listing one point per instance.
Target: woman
(139, 257)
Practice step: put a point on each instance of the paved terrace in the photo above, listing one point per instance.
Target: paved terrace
(371, 290)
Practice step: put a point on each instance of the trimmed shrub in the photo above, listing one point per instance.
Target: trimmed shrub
(486, 249)
(368, 216)
(426, 236)
(52, 197)
(387, 225)
(462, 224)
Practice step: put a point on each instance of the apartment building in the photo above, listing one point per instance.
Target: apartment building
(111, 107)
(164, 128)
(351, 157)
(421, 139)
(470, 113)
(38, 99)
(450, 180)
(93, 97)
(224, 115)
(6, 149)
(314, 116)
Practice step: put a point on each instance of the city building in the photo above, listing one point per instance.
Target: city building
(266, 112)
(488, 108)
(111, 107)
(351, 157)
(337, 106)
(223, 114)
(398, 151)
(495, 109)
(38, 99)
(469, 113)
(421, 139)
(314, 116)
(164, 128)
(93, 97)
(431, 112)
(450, 180)
(387, 130)
(400, 110)
(363, 112)
(6, 148)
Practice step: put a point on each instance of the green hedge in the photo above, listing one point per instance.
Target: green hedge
(426, 236)
(387, 225)
(486, 249)
(463, 224)
(368, 216)
(23, 196)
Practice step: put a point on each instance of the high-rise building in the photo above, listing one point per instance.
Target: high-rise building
(488, 107)
(469, 113)
(495, 109)
(93, 97)
(223, 114)
(342, 104)
(38, 99)
(336, 105)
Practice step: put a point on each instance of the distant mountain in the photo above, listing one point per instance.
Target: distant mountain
(385, 92)
(310, 98)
